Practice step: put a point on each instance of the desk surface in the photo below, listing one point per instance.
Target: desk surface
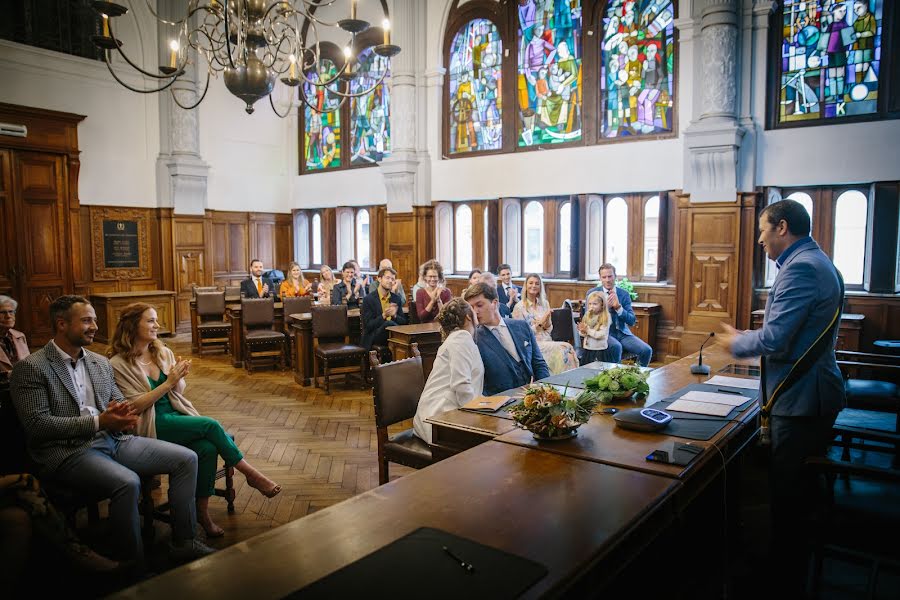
(136, 294)
(416, 328)
(563, 513)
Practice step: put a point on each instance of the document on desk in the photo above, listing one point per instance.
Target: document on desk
(731, 399)
(699, 408)
(736, 382)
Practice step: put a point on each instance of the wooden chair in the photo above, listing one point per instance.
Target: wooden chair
(398, 387)
(293, 306)
(564, 329)
(413, 313)
(197, 289)
(233, 291)
(331, 342)
(212, 328)
(259, 339)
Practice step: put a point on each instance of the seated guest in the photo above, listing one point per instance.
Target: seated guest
(507, 292)
(13, 346)
(296, 284)
(398, 283)
(621, 317)
(364, 280)
(535, 310)
(380, 310)
(152, 381)
(508, 349)
(326, 284)
(458, 373)
(420, 282)
(594, 330)
(255, 286)
(350, 290)
(431, 298)
(74, 417)
(474, 276)
(488, 278)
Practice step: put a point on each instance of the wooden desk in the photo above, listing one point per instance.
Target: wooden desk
(301, 325)
(109, 306)
(427, 335)
(582, 520)
(849, 331)
(458, 430)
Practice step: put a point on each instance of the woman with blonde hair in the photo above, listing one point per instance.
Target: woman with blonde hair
(152, 381)
(326, 284)
(458, 373)
(594, 329)
(535, 309)
(296, 284)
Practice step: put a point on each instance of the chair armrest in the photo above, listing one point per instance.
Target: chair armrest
(891, 359)
(826, 465)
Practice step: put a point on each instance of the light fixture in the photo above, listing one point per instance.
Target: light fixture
(252, 43)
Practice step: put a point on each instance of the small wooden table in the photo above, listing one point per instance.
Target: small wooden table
(109, 306)
(426, 335)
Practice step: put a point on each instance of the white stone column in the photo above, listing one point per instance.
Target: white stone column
(714, 140)
(181, 173)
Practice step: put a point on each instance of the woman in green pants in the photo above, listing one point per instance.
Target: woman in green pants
(152, 381)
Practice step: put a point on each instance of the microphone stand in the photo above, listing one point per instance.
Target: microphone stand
(700, 368)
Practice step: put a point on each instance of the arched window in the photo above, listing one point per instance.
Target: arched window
(475, 85)
(362, 239)
(637, 68)
(301, 238)
(850, 218)
(443, 242)
(321, 120)
(549, 90)
(565, 237)
(651, 237)
(830, 60)
(345, 235)
(463, 238)
(807, 202)
(317, 239)
(534, 238)
(804, 199)
(370, 125)
(617, 234)
(594, 229)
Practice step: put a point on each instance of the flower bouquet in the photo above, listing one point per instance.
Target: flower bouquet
(551, 415)
(618, 383)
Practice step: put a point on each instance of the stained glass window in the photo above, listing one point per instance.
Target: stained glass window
(475, 106)
(830, 59)
(370, 124)
(322, 121)
(550, 76)
(637, 68)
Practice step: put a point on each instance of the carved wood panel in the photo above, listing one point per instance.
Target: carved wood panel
(710, 283)
(238, 247)
(144, 243)
(190, 270)
(7, 227)
(34, 318)
(40, 211)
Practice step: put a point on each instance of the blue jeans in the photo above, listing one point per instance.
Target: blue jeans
(112, 468)
(629, 343)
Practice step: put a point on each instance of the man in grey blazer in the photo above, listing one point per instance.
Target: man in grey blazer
(803, 303)
(75, 420)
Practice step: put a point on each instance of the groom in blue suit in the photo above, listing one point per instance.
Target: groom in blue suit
(508, 349)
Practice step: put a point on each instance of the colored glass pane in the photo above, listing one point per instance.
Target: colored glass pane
(475, 105)
(322, 120)
(830, 59)
(370, 123)
(549, 74)
(637, 68)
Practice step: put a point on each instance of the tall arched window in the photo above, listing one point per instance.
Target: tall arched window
(549, 91)
(301, 238)
(534, 238)
(475, 88)
(322, 120)
(362, 239)
(317, 239)
(804, 199)
(617, 234)
(463, 238)
(850, 218)
(830, 60)
(637, 68)
(565, 237)
(370, 124)
(651, 237)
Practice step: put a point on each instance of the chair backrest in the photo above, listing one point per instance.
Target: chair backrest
(293, 306)
(196, 289)
(210, 304)
(413, 314)
(233, 291)
(398, 387)
(563, 325)
(257, 313)
(330, 321)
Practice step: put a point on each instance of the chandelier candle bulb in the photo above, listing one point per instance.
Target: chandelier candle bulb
(173, 54)
(386, 25)
(105, 25)
(293, 60)
(353, 9)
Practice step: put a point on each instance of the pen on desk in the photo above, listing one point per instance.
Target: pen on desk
(467, 566)
(729, 392)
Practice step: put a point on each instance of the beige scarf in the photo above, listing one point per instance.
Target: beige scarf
(132, 382)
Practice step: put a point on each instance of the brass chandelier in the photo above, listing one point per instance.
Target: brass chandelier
(252, 43)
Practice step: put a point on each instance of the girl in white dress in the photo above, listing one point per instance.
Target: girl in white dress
(458, 373)
(594, 329)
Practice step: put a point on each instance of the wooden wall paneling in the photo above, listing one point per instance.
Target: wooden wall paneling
(683, 203)
(238, 249)
(218, 245)
(262, 240)
(8, 254)
(551, 229)
(479, 250)
(284, 240)
(329, 238)
(424, 223)
(635, 267)
(377, 240)
(165, 239)
(400, 236)
(190, 236)
(749, 203)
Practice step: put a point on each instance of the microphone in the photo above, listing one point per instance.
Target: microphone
(700, 368)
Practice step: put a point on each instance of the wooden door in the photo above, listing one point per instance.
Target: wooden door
(8, 254)
(43, 273)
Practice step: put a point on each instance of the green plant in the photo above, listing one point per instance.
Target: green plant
(626, 285)
(618, 382)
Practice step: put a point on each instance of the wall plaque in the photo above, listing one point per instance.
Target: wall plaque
(120, 245)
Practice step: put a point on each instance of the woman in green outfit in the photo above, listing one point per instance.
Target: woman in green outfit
(152, 381)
